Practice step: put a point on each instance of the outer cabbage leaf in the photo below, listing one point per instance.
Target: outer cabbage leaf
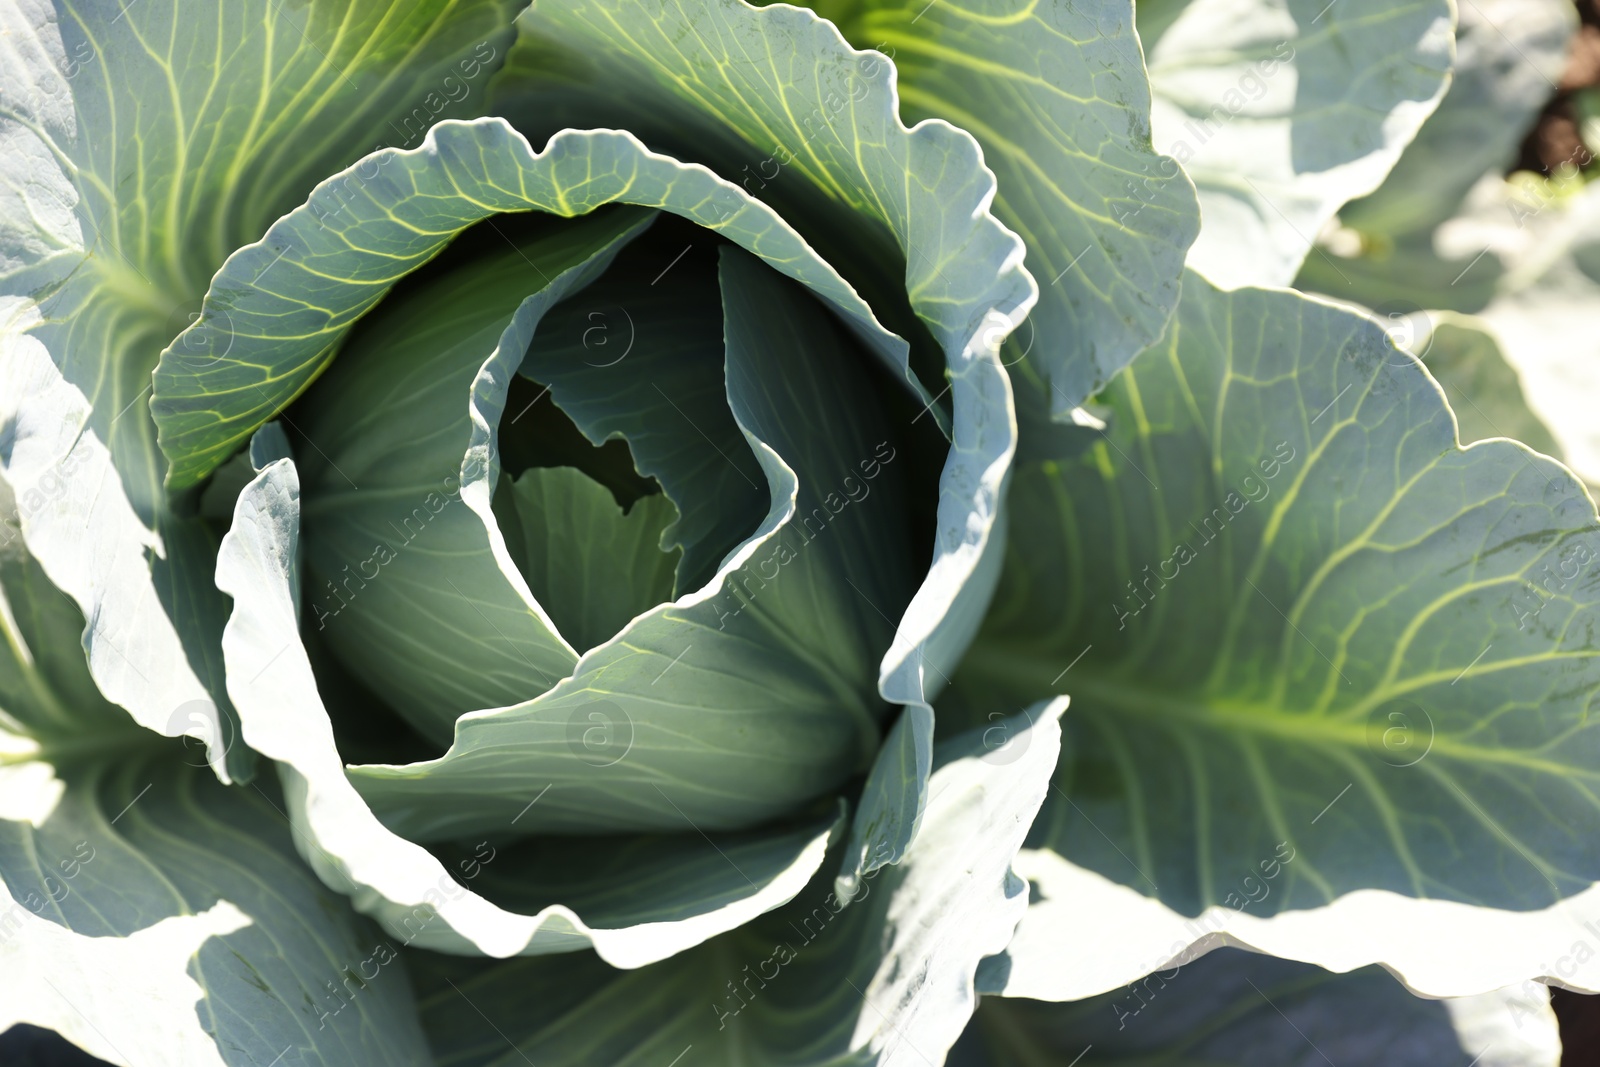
(1509, 54)
(129, 171)
(1056, 94)
(1283, 110)
(1299, 671)
(147, 912)
(1523, 254)
(887, 980)
(1544, 316)
(1116, 934)
(1484, 390)
(146, 589)
(335, 260)
(1256, 1011)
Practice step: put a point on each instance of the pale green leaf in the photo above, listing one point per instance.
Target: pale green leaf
(1544, 317)
(594, 565)
(149, 913)
(154, 914)
(128, 172)
(1251, 1010)
(884, 981)
(1057, 97)
(1437, 948)
(259, 343)
(1509, 56)
(1483, 389)
(1282, 111)
(148, 590)
(638, 355)
(1297, 619)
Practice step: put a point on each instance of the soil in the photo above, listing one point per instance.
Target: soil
(1555, 139)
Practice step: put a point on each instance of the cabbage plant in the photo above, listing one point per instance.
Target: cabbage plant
(680, 532)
